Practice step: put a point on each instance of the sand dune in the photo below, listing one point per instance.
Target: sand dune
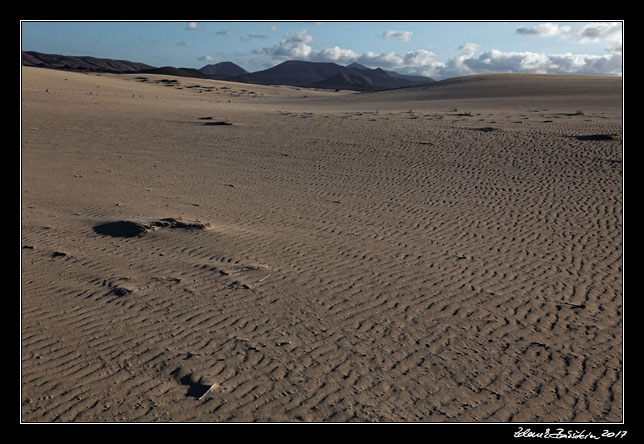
(427, 254)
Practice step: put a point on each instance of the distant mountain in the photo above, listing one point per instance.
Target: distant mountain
(80, 63)
(177, 72)
(354, 77)
(292, 72)
(363, 80)
(223, 70)
(330, 75)
(421, 80)
(346, 80)
(357, 66)
(93, 64)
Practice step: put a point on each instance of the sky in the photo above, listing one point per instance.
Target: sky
(437, 49)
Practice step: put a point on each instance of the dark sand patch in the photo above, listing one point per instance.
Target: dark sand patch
(121, 228)
(595, 137)
(136, 229)
(486, 129)
(217, 123)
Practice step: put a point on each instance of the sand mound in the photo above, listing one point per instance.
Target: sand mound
(515, 85)
(511, 91)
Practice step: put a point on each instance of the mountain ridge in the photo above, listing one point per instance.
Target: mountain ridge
(298, 73)
(331, 76)
(80, 63)
(223, 69)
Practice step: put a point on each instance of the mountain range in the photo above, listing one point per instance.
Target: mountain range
(321, 75)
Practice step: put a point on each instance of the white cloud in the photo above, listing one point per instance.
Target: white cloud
(192, 26)
(422, 62)
(335, 55)
(207, 58)
(468, 49)
(403, 36)
(586, 64)
(387, 60)
(253, 36)
(499, 61)
(594, 32)
(420, 57)
(226, 32)
(300, 36)
(545, 30)
(295, 46)
(609, 32)
(458, 65)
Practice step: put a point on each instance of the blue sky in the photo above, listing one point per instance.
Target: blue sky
(439, 50)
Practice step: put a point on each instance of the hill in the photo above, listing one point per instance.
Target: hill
(330, 75)
(80, 63)
(412, 78)
(513, 85)
(363, 80)
(510, 90)
(292, 72)
(220, 71)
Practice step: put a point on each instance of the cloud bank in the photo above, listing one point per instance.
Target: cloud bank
(589, 33)
(470, 59)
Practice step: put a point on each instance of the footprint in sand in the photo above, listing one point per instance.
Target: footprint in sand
(197, 387)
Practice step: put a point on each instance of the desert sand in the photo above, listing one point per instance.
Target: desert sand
(203, 251)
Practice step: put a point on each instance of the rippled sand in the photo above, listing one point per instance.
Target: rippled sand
(198, 250)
